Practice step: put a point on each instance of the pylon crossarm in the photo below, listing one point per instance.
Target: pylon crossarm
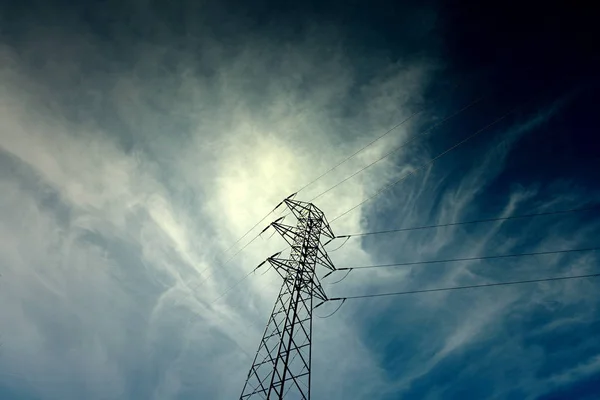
(289, 233)
(283, 267)
(300, 209)
(287, 267)
(324, 260)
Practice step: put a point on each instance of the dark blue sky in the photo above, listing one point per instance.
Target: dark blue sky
(141, 138)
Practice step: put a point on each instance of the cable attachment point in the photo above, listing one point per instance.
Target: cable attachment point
(267, 270)
(267, 260)
(346, 237)
(291, 196)
(344, 277)
(327, 274)
(258, 266)
(270, 225)
(336, 310)
(319, 305)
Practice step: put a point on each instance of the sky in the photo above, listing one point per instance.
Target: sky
(139, 140)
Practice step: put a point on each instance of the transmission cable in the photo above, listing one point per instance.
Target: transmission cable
(450, 260)
(485, 285)
(248, 232)
(339, 280)
(428, 163)
(414, 114)
(232, 256)
(349, 269)
(410, 140)
(193, 289)
(393, 128)
(385, 187)
(572, 210)
(334, 311)
(402, 122)
(228, 290)
(347, 159)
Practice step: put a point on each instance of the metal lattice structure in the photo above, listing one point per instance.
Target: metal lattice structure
(282, 365)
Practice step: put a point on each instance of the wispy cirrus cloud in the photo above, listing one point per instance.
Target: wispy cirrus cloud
(126, 174)
(128, 179)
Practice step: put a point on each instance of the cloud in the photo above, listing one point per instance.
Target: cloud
(477, 332)
(127, 172)
(127, 179)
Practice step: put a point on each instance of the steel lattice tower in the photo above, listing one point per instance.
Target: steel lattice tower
(281, 367)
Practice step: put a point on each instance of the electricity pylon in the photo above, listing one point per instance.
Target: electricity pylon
(281, 367)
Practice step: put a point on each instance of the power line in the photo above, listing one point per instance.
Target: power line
(221, 265)
(342, 162)
(334, 311)
(254, 227)
(414, 114)
(384, 188)
(412, 172)
(537, 253)
(239, 250)
(470, 222)
(228, 290)
(248, 232)
(426, 131)
(328, 171)
(559, 278)
(411, 116)
(228, 249)
(472, 103)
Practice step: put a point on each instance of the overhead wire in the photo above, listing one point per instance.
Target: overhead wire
(420, 228)
(343, 299)
(387, 186)
(353, 155)
(248, 231)
(346, 237)
(238, 282)
(345, 160)
(477, 221)
(334, 311)
(497, 120)
(348, 270)
(231, 288)
(339, 280)
(235, 254)
(211, 273)
(205, 278)
(412, 115)
(485, 285)
(238, 252)
(404, 144)
(450, 260)
(428, 163)
(393, 128)
(402, 122)
(472, 103)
